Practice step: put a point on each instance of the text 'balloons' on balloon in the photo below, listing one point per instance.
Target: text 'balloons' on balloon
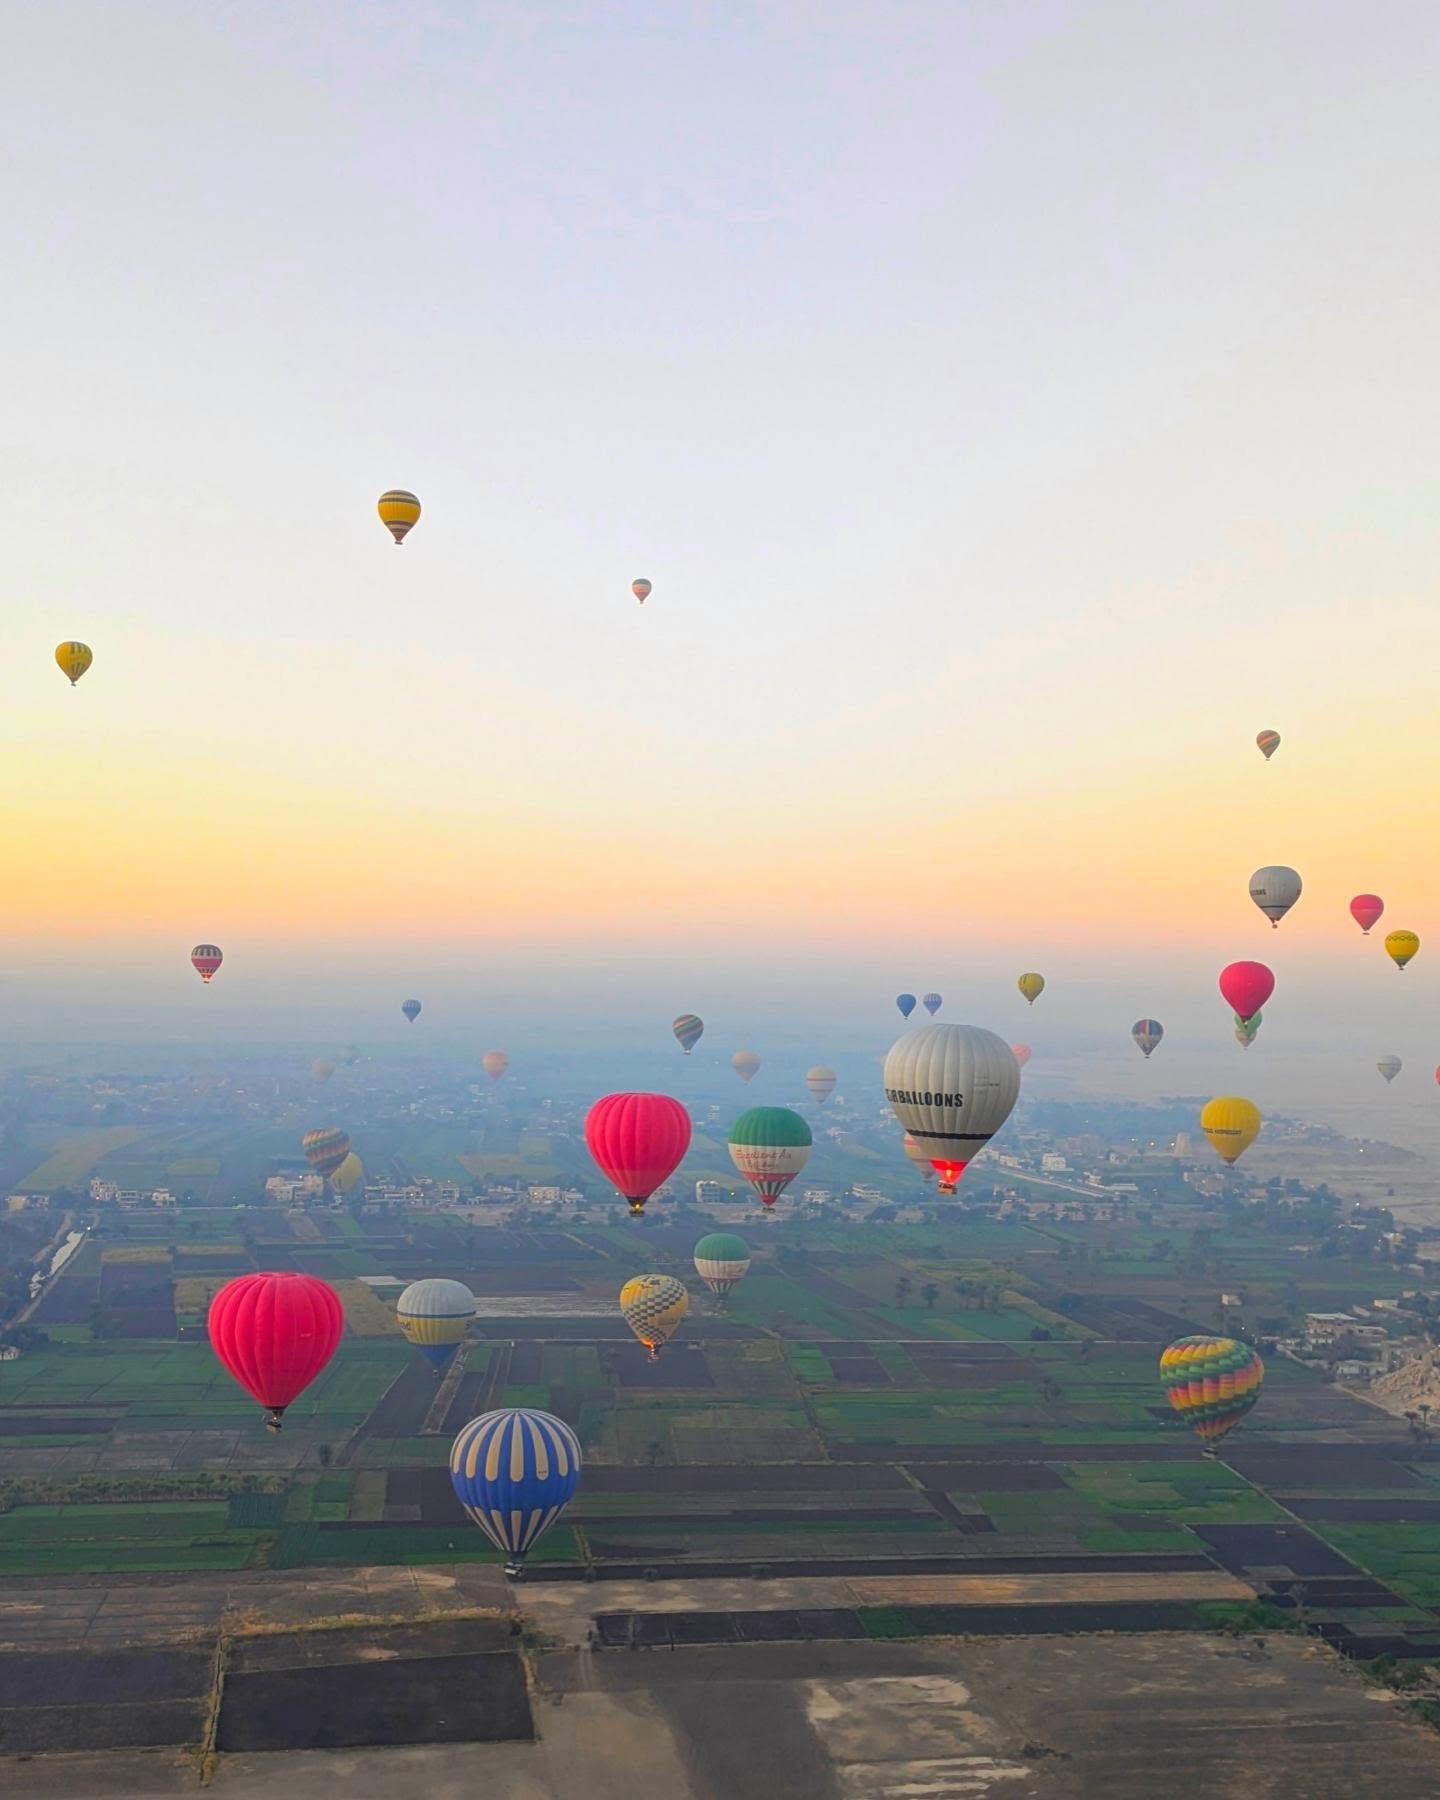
(1232, 1125)
(641, 589)
(514, 1471)
(495, 1063)
(434, 1314)
(411, 1009)
(206, 959)
(398, 510)
(1147, 1033)
(326, 1148)
(721, 1259)
(688, 1029)
(275, 1332)
(770, 1145)
(638, 1141)
(906, 1003)
(746, 1065)
(821, 1083)
(1021, 1053)
(73, 659)
(653, 1306)
(1212, 1382)
(1246, 986)
(1389, 1067)
(1365, 910)
(1032, 986)
(952, 1087)
(1268, 742)
(1400, 946)
(932, 1003)
(1275, 889)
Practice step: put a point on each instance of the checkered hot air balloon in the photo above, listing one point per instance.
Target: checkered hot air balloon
(514, 1472)
(1212, 1382)
(653, 1306)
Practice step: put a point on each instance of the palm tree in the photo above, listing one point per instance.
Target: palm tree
(930, 1293)
(902, 1290)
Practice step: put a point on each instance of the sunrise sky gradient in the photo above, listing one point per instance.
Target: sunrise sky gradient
(1015, 408)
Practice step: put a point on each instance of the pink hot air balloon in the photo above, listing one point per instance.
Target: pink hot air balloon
(1365, 910)
(1021, 1053)
(1246, 987)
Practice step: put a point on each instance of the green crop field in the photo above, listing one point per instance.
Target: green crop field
(75, 1155)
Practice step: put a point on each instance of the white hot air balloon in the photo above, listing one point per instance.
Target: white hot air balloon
(1389, 1067)
(821, 1082)
(952, 1088)
(1275, 890)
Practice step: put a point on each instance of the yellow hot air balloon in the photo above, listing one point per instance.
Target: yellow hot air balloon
(349, 1175)
(74, 659)
(1032, 986)
(1400, 946)
(653, 1306)
(1231, 1124)
(398, 511)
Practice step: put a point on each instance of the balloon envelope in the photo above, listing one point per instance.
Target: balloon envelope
(721, 1259)
(1269, 742)
(688, 1030)
(1275, 889)
(411, 1009)
(1231, 1124)
(952, 1088)
(821, 1082)
(1147, 1033)
(770, 1145)
(1389, 1067)
(1400, 946)
(641, 589)
(434, 1315)
(906, 1003)
(514, 1471)
(275, 1332)
(638, 1140)
(73, 659)
(932, 1004)
(653, 1306)
(1246, 987)
(321, 1069)
(1365, 910)
(207, 958)
(1032, 986)
(494, 1063)
(745, 1063)
(326, 1148)
(1021, 1053)
(398, 509)
(1212, 1382)
(349, 1175)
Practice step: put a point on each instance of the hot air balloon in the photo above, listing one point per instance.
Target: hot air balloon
(745, 1063)
(325, 1149)
(932, 1004)
(952, 1087)
(434, 1315)
(688, 1030)
(1400, 946)
(398, 512)
(1389, 1067)
(1231, 1124)
(770, 1145)
(1021, 1053)
(275, 1332)
(1247, 986)
(821, 1083)
(1032, 986)
(1147, 1033)
(638, 1141)
(411, 1009)
(74, 659)
(906, 1003)
(207, 958)
(721, 1259)
(1212, 1383)
(1275, 889)
(349, 1175)
(1269, 742)
(1365, 910)
(641, 589)
(322, 1070)
(514, 1472)
(918, 1155)
(494, 1063)
(653, 1306)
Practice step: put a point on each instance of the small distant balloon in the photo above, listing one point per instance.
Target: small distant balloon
(1147, 1033)
(906, 1003)
(1400, 946)
(641, 589)
(1232, 1125)
(1246, 986)
(1021, 1053)
(1365, 910)
(1389, 1067)
(398, 511)
(1269, 742)
(821, 1083)
(326, 1149)
(321, 1069)
(688, 1031)
(746, 1065)
(932, 1004)
(74, 659)
(411, 1009)
(1275, 889)
(1032, 986)
(207, 958)
(494, 1063)
(721, 1260)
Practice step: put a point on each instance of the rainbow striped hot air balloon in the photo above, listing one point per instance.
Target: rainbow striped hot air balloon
(1212, 1382)
(434, 1315)
(326, 1149)
(1268, 742)
(398, 510)
(688, 1031)
(721, 1259)
(514, 1472)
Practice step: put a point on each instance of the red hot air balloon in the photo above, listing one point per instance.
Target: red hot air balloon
(1246, 987)
(1365, 910)
(638, 1141)
(207, 958)
(275, 1333)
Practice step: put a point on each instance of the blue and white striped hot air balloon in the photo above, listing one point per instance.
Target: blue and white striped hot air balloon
(932, 1004)
(514, 1472)
(434, 1315)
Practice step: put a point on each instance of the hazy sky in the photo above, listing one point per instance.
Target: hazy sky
(1015, 408)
